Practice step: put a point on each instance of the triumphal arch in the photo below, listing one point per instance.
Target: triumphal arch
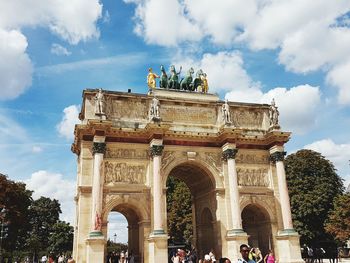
(229, 154)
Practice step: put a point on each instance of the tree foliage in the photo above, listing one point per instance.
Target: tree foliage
(313, 185)
(179, 211)
(61, 238)
(338, 223)
(16, 200)
(44, 213)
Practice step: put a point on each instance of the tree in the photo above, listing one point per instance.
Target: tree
(44, 213)
(61, 238)
(179, 211)
(338, 223)
(313, 185)
(16, 200)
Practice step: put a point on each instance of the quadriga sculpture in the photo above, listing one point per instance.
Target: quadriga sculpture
(163, 83)
(186, 83)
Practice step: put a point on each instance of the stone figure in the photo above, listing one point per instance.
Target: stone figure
(99, 103)
(163, 82)
(226, 113)
(274, 113)
(154, 110)
(174, 78)
(151, 79)
(186, 83)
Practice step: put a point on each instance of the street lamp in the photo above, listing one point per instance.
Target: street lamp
(115, 238)
(3, 232)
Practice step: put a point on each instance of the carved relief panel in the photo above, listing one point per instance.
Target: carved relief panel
(123, 172)
(248, 118)
(127, 109)
(253, 177)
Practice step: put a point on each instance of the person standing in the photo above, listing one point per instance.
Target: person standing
(244, 250)
(270, 258)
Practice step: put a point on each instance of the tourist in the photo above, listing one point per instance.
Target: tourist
(212, 255)
(244, 249)
(43, 259)
(224, 260)
(206, 258)
(259, 257)
(70, 259)
(270, 258)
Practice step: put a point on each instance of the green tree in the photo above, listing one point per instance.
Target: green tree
(15, 199)
(179, 211)
(61, 238)
(313, 185)
(44, 213)
(338, 223)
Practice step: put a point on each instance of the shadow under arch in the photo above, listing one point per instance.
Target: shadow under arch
(136, 215)
(202, 182)
(256, 222)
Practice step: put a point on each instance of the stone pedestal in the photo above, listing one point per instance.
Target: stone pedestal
(288, 247)
(234, 240)
(157, 249)
(95, 249)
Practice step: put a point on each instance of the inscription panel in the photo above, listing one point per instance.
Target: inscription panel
(122, 172)
(250, 157)
(244, 118)
(188, 114)
(124, 153)
(127, 109)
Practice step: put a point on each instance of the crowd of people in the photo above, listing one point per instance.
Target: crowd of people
(120, 257)
(248, 255)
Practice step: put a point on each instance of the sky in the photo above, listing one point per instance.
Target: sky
(295, 51)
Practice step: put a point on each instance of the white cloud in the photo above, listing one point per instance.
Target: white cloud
(224, 70)
(117, 224)
(69, 119)
(164, 22)
(59, 50)
(53, 185)
(339, 77)
(15, 66)
(308, 35)
(73, 22)
(339, 154)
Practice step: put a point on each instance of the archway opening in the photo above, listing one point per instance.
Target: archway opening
(257, 224)
(123, 233)
(191, 206)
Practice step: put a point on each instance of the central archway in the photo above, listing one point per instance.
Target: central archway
(201, 185)
(257, 224)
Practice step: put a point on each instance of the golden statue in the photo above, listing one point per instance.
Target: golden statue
(205, 86)
(151, 79)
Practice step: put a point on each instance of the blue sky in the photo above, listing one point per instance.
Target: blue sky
(294, 51)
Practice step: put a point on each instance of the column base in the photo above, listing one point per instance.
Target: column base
(95, 249)
(235, 238)
(159, 232)
(95, 233)
(157, 248)
(288, 246)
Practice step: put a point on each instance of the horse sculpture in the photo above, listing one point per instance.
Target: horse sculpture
(174, 78)
(186, 83)
(198, 80)
(163, 83)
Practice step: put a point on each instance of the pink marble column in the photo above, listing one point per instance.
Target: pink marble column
(156, 153)
(98, 149)
(277, 156)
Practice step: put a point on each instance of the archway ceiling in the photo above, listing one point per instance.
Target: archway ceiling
(128, 212)
(195, 178)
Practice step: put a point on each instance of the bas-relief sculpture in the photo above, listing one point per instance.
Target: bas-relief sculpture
(122, 172)
(252, 158)
(187, 114)
(253, 177)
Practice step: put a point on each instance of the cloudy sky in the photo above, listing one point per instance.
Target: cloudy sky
(296, 51)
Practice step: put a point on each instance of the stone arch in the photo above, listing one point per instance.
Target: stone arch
(261, 203)
(135, 211)
(208, 170)
(256, 222)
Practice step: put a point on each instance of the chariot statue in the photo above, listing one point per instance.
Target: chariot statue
(174, 78)
(163, 82)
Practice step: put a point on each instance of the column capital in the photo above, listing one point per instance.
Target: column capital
(99, 147)
(277, 156)
(229, 154)
(156, 150)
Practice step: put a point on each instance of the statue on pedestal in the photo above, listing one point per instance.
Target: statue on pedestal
(154, 113)
(226, 116)
(151, 79)
(99, 103)
(273, 114)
